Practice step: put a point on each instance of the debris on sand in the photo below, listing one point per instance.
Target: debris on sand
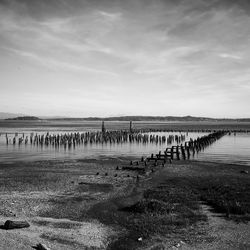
(41, 247)
(244, 171)
(9, 224)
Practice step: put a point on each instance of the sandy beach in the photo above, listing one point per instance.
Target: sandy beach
(95, 204)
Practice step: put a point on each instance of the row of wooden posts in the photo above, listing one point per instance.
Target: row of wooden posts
(75, 139)
(104, 136)
(185, 151)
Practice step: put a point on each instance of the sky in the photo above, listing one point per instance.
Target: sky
(82, 58)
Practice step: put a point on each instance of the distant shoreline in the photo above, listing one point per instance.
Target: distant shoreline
(187, 118)
(131, 118)
(23, 118)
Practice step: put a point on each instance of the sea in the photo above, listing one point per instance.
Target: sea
(232, 148)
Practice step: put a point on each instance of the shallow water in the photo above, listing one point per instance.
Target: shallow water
(229, 149)
(29, 152)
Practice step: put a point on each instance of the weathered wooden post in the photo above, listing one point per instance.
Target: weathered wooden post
(103, 128)
(172, 153)
(130, 127)
(183, 152)
(177, 152)
(188, 152)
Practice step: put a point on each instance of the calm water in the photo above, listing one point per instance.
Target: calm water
(229, 149)
(29, 152)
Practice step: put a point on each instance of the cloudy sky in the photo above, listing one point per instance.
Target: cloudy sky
(125, 57)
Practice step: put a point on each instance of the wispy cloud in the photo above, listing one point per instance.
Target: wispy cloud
(110, 16)
(230, 56)
(55, 64)
(197, 49)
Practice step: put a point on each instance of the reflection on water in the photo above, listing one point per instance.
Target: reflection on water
(229, 149)
(10, 152)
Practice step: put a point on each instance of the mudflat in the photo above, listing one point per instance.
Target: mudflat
(96, 204)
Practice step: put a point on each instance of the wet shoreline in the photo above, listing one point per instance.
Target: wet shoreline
(81, 191)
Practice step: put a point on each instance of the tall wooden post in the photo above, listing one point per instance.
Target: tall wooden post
(103, 127)
(130, 127)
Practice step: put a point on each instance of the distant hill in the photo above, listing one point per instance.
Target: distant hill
(4, 115)
(140, 118)
(152, 118)
(13, 116)
(24, 118)
(243, 120)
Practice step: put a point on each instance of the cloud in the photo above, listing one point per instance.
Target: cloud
(180, 48)
(230, 56)
(55, 64)
(110, 16)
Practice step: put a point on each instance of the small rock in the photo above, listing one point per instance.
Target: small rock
(41, 247)
(244, 171)
(9, 224)
(140, 239)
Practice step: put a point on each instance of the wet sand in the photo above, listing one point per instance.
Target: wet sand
(87, 205)
(54, 196)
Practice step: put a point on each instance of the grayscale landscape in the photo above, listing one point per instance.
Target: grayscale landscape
(124, 125)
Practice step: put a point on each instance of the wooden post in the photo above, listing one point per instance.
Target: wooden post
(188, 152)
(130, 127)
(172, 153)
(103, 128)
(183, 152)
(177, 152)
